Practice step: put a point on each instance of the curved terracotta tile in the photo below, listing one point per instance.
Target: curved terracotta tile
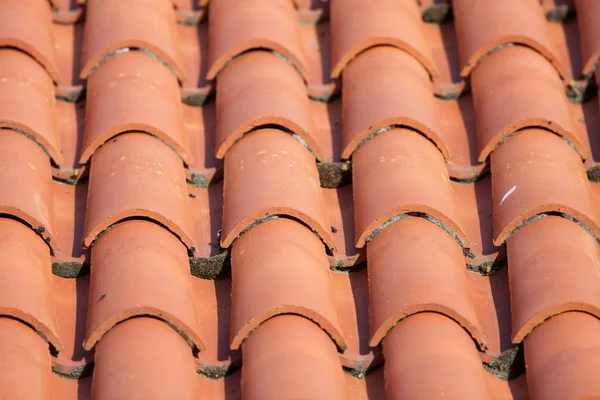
(65, 12)
(193, 42)
(135, 175)
(356, 26)
(535, 172)
(351, 295)
(16, 19)
(248, 99)
(414, 266)
(237, 27)
(289, 357)
(589, 33)
(68, 39)
(316, 41)
(285, 172)
(132, 92)
(71, 388)
(27, 101)
(280, 267)
(26, 371)
(26, 280)
(71, 303)
(384, 88)
(429, 356)
(563, 358)
(540, 285)
(484, 26)
(516, 89)
(143, 358)
(147, 25)
(162, 288)
(398, 174)
(26, 182)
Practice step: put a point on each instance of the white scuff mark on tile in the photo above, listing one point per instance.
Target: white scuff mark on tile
(32, 166)
(159, 173)
(510, 191)
(260, 152)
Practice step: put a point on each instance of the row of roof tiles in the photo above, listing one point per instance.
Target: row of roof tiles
(134, 175)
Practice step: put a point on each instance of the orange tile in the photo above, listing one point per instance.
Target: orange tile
(514, 89)
(280, 267)
(340, 210)
(286, 174)
(351, 296)
(69, 213)
(316, 40)
(430, 356)
(161, 289)
(136, 175)
(404, 96)
(193, 42)
(213, 302)
(112, 26)
(71, 389)
(399, 174)
(563, 355)
(26, 180)
(26, 280)
(133, 92)
(16, 18)
(70, 119)
(483, 26)
(25, 371)
(144, 358)
(290, 357)
(27, 101)
(356, 26)
(199, 124)
(68, 41)
(540, 285)
(414, 266)
(71, 304)
(237, 27)
(589, 35)
(248, 99)
(311, 12)
(536, 172)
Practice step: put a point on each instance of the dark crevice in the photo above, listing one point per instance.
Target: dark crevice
(508, 365)
(70, 269)
(217, 267)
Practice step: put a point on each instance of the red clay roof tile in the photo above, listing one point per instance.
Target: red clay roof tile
(133, 92)
(273, 267)
(193, 42)
(68, 40)
(563, 356)
(137, 176)
(199, 124)
(404, 93)
(213, 302)
(17, 17)
(26, 281)
(400, 173)
(485, 26)
(414, 266)
(248, 99)
(70, 121)
(286, 173)
(26, 179)
(27, 101)
(114, 26)
(540, 285)
(589, 33)
(356, 26)
(536, 172)
(25, 372)
(237, 27)
(71, 303)
(516, 89)
(316, 41)
(340, 210)
(351, 294)
(69, 214)
(290, 357)
(127, 366)
(419, 364)
(161, 288)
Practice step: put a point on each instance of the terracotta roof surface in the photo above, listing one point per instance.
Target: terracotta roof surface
(307, 199)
